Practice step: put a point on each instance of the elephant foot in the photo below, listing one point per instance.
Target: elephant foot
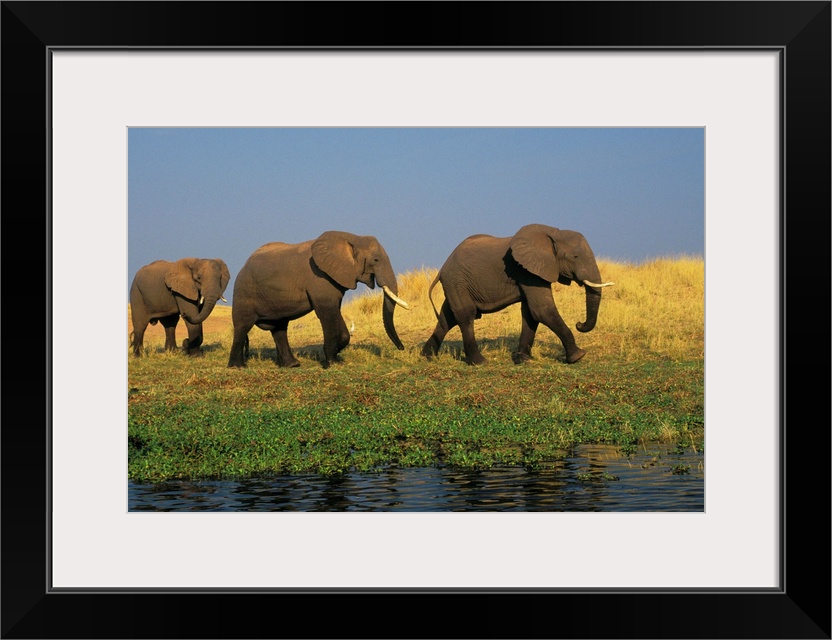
(476, 359)
(197, 353)
(575, 356)
(519, 358)
(288, 364)
(326, 364)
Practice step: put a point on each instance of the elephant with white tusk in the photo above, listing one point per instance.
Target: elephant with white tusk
(283, 282)
(485, 274)
(164, 291)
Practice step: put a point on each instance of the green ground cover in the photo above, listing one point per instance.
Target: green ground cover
(642, 380)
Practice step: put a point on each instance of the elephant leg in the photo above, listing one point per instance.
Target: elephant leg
(281, 343)
(191, 344)
(465, 318)
(239, 345)
(447, 321)
(542, 309)
(527, 333)
(169, 323)
(336, 334)
(138, 338)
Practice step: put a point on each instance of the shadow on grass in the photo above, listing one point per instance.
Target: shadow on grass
(313, 352)
(371, 349)
(494, 348)
(160, 350)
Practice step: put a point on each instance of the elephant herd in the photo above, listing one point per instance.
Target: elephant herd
(283, 282)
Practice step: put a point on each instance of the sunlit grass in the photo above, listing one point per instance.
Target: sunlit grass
(657, 305)
(641, 380)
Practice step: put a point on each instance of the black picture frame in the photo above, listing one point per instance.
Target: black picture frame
(800, 31)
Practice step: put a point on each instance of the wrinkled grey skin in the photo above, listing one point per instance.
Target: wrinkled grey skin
(283, 282)
(164, 291)
(485, 274)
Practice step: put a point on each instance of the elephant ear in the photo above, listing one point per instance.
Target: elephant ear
(334, 255)
(225, 275)
(180, 278)
(533, 247)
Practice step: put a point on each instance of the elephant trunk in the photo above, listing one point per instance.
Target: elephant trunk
(208, 303)
(389, 327)
(593, 301)
(387, 280)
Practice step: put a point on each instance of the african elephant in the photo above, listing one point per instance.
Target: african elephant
(163, 291)
(485, 274)
(282, 282)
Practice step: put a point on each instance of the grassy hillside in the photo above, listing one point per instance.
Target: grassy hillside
(641, 380)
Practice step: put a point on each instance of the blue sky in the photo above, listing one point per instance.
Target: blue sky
(635, 193)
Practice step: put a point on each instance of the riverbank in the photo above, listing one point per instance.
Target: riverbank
(642, 380)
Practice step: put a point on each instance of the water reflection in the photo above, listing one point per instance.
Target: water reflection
(593, 478)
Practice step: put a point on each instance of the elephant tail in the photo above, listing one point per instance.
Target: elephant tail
(430, 294)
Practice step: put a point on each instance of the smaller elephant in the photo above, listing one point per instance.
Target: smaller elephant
(164, 291)
(485, 274)
(283, 282)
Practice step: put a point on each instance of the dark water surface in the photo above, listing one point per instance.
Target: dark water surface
(594, 478)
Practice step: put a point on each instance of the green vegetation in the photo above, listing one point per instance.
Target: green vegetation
(642, 380)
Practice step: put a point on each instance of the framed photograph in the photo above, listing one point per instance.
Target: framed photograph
(80, 79)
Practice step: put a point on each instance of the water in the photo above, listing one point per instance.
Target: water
(594, 478)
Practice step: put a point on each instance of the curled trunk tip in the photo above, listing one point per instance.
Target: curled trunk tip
(593, 302)
(208, 307)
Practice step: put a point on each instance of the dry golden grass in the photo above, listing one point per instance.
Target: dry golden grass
(656, 307)
(643, 381)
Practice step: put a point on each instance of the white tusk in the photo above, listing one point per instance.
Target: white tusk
(201, 300)
(223, 299)
(598, 286)
(395, 298)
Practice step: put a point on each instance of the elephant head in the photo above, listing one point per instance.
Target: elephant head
(349, 259)
(200, 281)
(561, 256)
